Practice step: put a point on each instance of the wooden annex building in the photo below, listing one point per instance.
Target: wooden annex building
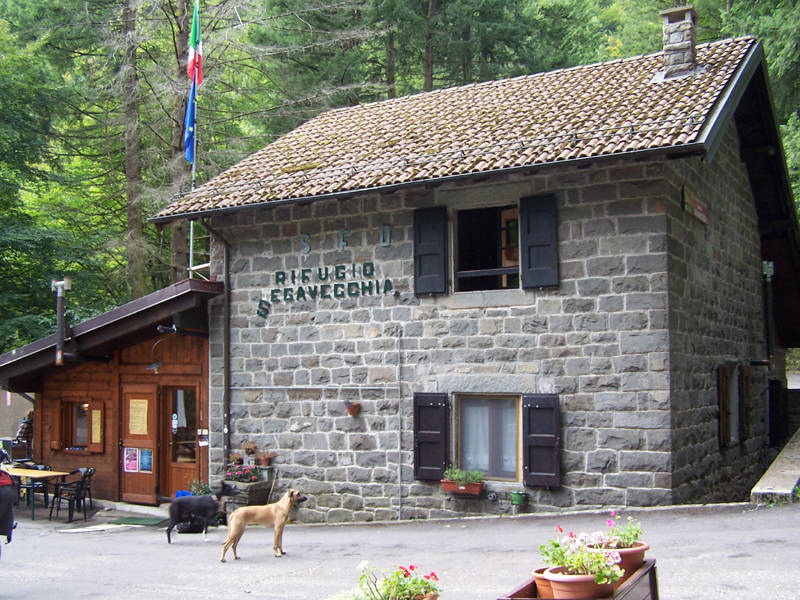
(130, 398)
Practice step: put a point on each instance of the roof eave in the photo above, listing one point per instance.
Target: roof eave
(103, 329)
(713, 131)
(694, 148)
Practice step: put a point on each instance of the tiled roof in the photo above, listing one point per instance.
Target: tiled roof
(582, 112)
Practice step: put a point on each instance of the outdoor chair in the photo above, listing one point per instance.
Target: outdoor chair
(87, 473)
(32, 486)
(73, 492)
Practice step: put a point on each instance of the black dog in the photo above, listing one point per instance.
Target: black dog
(197, 508)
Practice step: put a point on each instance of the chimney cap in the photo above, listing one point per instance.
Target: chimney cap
(679, 13)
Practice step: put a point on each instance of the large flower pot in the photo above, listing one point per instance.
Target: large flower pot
(576, 586)
(631, 559)
(543, 587)
(455, 487)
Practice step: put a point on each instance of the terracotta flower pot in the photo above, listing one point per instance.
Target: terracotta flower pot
(467, 488)
(631, 559)
(543, 587)
(353, 408)
(576, 586)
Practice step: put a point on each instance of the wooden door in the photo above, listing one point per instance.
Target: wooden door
(140, 443)
(180, 434)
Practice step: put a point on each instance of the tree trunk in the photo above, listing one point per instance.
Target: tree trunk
(466, 58)
(427, 61)
(137, 275)
(391, 86)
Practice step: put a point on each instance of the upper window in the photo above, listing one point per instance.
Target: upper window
(502, 247)
(488, 249)
(489, 433)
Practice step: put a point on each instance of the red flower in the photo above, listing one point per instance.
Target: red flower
(406, 572)
(412, 568)
(432, 576)
(559, 529)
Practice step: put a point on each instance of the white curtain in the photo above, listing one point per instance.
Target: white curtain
(474, 434)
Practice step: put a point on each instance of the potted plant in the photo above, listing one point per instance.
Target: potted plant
(265, 458)
(624, 538)
(243, 473)
(463, 481)
(519, 497)
(401, 583)
(579, 566)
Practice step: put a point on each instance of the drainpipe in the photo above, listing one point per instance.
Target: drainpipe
(226, 343)
(768, 270)
(399, 428)
(60, 288)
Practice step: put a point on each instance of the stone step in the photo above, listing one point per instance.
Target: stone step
(782, 477)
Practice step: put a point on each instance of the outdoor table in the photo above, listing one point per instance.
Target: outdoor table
(33, 474)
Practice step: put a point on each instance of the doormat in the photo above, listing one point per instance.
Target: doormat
(139, 521)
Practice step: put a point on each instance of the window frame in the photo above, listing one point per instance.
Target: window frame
(494, 440)
(733, 403)
(65, 425)
(540, 437)
(537, 247)
(501, 272)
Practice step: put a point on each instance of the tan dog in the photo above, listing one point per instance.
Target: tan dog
(275, 514)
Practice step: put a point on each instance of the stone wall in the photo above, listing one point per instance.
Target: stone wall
(716, 300)
(601, 341)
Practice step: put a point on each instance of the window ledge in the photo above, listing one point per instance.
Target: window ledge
(482, 299)
(76, 451)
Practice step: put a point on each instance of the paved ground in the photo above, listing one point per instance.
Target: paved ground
(703, 553)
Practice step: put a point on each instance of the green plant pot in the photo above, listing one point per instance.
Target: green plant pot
(518, 498)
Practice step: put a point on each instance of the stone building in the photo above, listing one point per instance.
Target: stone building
(580, 282)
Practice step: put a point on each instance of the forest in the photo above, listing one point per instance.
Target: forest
(93, 95)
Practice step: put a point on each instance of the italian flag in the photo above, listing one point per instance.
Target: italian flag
(194, 65)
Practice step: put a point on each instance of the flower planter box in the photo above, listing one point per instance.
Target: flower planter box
(468, 489)
(642, 585)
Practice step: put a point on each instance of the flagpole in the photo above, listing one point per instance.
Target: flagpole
(194, 65)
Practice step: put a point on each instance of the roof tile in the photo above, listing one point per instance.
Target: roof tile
(576, 113)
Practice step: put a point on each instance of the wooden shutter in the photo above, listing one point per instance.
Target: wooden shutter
(56, 424)
(430, 250)
(541, 440)
(744, 402)
(724, 399)
(538, 241)
(94, 442)
(430, 436)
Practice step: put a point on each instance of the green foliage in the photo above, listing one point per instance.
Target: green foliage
(401, 583)
(463, 476)
(246, 474)
(793, 356)
(199, 487)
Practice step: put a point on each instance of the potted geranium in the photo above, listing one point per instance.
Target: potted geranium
(463, 481)
(243, 473)
(579, 566)
(624, 538)
(401, 583)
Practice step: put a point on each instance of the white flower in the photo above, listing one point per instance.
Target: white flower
(363, 565)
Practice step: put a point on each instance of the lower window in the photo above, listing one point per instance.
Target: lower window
(81, 426)
(488, 437)
(508, 437)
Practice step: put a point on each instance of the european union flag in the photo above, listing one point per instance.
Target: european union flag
(189, 122)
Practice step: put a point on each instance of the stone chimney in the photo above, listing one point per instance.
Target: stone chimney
(679, 41)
